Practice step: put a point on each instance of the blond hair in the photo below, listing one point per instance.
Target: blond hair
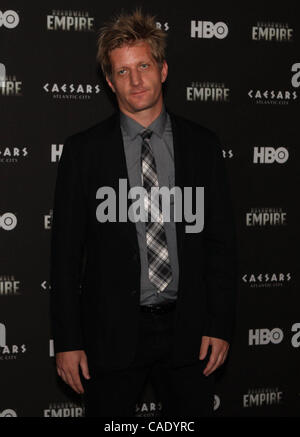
(128, 29)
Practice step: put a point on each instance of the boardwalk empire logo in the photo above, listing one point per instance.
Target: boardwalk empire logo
(70, 21)
(207, 92)
(266, 217)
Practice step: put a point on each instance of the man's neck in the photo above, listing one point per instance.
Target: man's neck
(146, 117)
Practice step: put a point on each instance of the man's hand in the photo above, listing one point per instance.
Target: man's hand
(67, 365)
(219, 351)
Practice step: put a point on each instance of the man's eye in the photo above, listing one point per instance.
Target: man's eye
(122, 72)
(144, 66)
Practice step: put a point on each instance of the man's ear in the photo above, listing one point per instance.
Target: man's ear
(110, 84)
(164, 71)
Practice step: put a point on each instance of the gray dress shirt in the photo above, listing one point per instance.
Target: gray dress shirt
(162, 146)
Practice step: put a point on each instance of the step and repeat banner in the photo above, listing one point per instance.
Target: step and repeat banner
(234, 69)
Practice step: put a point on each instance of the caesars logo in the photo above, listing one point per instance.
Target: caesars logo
(148, 409)
(9, 19)
(265, 336)
(269, 155)
(12, 154)
(296, 77)
(272, 97)
(227, 153)
(207, 29)
(71, 91)
(163, 26)
(9, 351)
(8, 221)
(266, 280)
(45, 286)
(272, 32)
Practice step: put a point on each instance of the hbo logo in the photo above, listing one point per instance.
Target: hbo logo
(8, 413)
(8, 221)
(206, 29)
(265, 336)
(268, 155)
(217, 402)
(9, 19)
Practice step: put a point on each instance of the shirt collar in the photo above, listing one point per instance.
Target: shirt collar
(133, 128)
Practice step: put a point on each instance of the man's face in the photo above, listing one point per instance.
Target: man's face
(136, 78)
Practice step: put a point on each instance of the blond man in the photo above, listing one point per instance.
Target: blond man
(134, 302)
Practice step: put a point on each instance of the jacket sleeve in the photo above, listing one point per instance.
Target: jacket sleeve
(67, 246)
(220, 250)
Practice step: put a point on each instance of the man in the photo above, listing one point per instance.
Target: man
(145, 300)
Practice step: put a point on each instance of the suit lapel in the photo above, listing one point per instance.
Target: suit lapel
(115, 156)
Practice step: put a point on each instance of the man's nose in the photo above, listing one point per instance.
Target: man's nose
(136, 78)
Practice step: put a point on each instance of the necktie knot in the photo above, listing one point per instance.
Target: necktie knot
(146, 134)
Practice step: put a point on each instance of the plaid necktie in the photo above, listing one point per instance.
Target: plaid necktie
(159, 267)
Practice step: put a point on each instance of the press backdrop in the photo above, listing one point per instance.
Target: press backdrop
(234, 68)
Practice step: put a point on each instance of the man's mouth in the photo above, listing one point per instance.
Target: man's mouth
(137, 93)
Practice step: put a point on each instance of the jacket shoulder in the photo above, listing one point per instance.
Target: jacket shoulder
(92, 134)
(196, 136)
(194, 127)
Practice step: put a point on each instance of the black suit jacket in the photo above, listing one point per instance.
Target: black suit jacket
(95, 267)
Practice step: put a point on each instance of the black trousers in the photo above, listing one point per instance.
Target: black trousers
(183, 391)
